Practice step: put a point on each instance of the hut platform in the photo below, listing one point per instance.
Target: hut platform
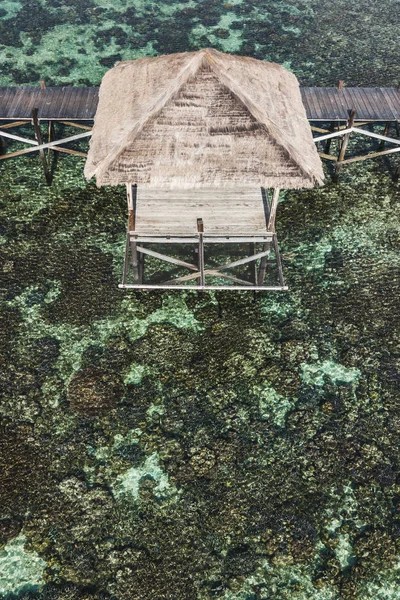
(341, 112)
(199, 221)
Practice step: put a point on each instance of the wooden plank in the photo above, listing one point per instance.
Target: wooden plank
(324, 100)
(65, 98)
(394, 96)
(314, 110)
(191, 239)
(377, 103)
(314, 100)
(6, 96)
(304, 97)
(19, 92)
(52, 99)
(224, 212)
(364, 107)
(387, 100)
(344, 103)
(74, 107)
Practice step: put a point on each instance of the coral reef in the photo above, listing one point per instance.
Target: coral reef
(185, 446)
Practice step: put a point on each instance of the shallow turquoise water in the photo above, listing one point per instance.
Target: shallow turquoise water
(177, 446)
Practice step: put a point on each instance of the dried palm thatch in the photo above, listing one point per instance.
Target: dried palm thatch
(202, 119)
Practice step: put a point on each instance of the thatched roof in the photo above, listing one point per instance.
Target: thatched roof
(202, 119)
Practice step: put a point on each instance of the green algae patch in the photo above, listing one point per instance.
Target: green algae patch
(338, 374)
(129, 482)
(273, 406)
(20, 570)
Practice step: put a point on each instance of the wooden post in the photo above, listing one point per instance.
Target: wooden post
(38, 135)
(131, 192)
(270, 213)
(42, 84)
(385, 133)
(274, 206)
(328, 142)
(253, 264)
(200, 229)
(345, 141)
(396, 176)
(340, 85)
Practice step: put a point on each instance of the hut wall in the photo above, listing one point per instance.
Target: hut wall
(204, 136)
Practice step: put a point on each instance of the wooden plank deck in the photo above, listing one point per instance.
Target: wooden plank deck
(70, 103)
(224, 212)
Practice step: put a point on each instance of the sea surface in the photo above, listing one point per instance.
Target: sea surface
(184, 446)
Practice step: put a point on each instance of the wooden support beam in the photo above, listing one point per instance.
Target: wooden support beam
(371, 155)
(126, 259)
(18, 138)
(42, 146)
(55, 148)
(77, 125)
(345, 141)
(274, 206)
(329, 141)
(14, 124)
(167, 258)
(377, 136)
(232, 288)
(131, 195)
(328, 156)
(321, 138)
(38, 135)
(253, 265)
(278, 261)
(200, 229)
(340, 85)
(319, 129)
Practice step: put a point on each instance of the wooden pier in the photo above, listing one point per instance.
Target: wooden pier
(333, 112)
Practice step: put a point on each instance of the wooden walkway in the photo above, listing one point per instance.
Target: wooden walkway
(79, 103)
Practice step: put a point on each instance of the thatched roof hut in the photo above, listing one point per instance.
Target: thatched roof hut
(202, 119)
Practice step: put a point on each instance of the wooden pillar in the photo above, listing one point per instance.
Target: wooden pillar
(396, 176)
(344, 143)
(274, 206)
(131, 191)
(386, 133)
(253, 264)
(328, 142)
(270, 227)
(200, 229)
(38, 136)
